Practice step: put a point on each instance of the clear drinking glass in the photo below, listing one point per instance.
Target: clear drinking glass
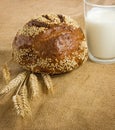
(100, 30)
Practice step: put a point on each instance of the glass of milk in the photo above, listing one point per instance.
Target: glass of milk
(100, 30)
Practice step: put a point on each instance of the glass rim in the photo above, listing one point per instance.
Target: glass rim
(98, 5)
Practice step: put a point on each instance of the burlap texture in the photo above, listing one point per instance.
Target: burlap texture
(83, 99)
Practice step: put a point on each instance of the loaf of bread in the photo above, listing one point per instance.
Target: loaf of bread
(52, 44)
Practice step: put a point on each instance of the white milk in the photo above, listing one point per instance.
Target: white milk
(100, 30)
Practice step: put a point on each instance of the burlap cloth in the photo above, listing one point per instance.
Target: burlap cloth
(83, 99)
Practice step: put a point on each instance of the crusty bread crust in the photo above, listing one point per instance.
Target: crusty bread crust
(51, 44)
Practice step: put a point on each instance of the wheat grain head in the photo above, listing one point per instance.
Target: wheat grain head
(34, 86)
(24, 96)
(18, 105)
(48, 81)
(6, 73)
(13, 83)
(21, 103)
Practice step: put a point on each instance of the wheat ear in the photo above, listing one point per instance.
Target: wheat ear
(34, 86)
(20, 100)
(13, 83)
(18, 105)
(21, 103)
(6, 73)
(24, 95)
(48, 81)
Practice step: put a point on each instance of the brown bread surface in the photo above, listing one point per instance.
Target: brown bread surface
(51, 44)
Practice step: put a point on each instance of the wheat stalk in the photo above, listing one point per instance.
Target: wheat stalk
(13, 83)
(6, 73)
(48, 81)
(34, 86)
